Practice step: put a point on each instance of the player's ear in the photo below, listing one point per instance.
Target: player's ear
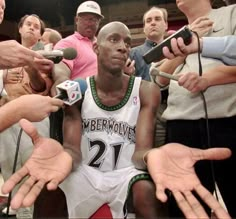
(95, 47)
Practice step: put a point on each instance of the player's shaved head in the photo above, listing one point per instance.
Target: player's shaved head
(110, 27)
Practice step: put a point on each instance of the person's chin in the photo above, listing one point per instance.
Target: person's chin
(90, 33)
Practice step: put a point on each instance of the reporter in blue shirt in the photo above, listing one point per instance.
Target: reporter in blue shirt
(223, 48)
(155, 26)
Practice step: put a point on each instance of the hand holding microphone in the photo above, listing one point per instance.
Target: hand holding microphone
(191, 81)
(69, 91)
(55, 55)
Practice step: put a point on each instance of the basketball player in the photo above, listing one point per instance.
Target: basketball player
(109, 135)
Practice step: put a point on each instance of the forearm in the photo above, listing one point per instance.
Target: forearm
(72, 141)
(169, 66)
(146, 123)
(144, 143)
(10, 113)
(61, 72)
(220, 75)
(37, 82)
(72, 121)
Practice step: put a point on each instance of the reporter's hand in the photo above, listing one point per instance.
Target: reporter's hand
(179, 48)
(40, 65)
(193, 82)
(201, 25)
(36, 107)
(129, 68)
(14, 55)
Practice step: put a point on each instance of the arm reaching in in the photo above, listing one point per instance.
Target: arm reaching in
(39, 73)
(32, 107)
(172, 168)
(49, 164)
(14, 55)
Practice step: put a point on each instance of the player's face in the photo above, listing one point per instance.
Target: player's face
(114, 49)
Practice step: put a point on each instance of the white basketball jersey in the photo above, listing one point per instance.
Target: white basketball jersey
(108, 138)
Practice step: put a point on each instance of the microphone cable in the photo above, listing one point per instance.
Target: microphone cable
(206, 117)
(14, 170)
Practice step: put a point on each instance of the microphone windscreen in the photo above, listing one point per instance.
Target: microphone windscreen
(69, 53)
(82, 84)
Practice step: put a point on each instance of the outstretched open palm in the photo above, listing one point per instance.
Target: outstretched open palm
(172, 168)
(49, 164)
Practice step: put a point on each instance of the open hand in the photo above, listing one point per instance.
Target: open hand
(49, 164)
(172, 168)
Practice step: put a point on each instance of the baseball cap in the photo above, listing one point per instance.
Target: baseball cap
(89, 7)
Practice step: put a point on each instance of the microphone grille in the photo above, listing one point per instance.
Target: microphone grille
(69, 53)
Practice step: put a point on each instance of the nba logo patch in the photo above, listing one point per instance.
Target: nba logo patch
(135, 100)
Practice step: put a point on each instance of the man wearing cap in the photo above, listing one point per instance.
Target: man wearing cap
(88, 17)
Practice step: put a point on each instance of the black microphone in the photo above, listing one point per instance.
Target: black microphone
(57, 55)
(71, 91)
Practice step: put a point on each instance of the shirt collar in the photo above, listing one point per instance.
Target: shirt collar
(150, 43)
(80, 37)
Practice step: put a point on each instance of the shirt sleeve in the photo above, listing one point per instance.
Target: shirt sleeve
(223, 48)
(63, 44)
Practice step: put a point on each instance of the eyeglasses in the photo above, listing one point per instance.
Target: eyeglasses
(89, 19)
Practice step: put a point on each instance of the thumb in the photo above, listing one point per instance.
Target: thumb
(132, 63)
(170, 32)
(216, 153)
(29, 129)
